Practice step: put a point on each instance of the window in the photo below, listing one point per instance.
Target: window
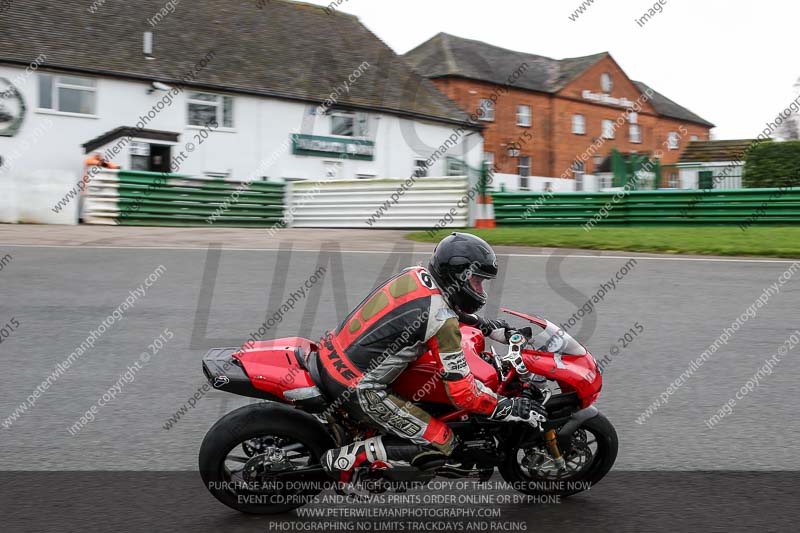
(635, 133)
(673, 140)
(673, 180)
(578, 171)
(344, 125)
(140, 155)
(488, 158)
(524, 166)
(349, 124)
(420, 168)
(207, 109)
(524, 184)
(633, 117)
(579, 124)
(67, 94)
(456, 167)
(486, 110)
(362, 124)
(608, 129)
(140, 162)
(606, 83)
(695, 138)
(524, 116)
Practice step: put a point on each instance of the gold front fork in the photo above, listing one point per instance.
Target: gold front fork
(551, 441)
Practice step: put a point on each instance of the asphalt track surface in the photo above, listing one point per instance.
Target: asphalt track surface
(58, 295)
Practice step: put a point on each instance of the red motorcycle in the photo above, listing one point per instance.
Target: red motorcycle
(264, 457)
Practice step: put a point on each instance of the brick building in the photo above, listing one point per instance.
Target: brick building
(555, 118)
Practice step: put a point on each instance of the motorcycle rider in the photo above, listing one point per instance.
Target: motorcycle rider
(415, 311)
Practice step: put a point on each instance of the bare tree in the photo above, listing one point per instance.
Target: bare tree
(790, 130)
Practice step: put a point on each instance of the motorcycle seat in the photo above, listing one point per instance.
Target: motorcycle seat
(313, 370)
(301, 357)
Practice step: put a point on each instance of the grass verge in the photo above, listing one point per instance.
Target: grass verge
(771, 241)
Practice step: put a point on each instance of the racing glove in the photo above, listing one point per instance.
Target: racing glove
(494, 329)
(520, 410)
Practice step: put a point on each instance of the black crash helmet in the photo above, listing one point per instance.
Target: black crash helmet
(460, 264)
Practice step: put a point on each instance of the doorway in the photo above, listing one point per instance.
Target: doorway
(160, 158)
(706, 179)
(151, 157)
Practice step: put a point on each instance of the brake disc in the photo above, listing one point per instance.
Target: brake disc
(272, 461)
(259, 445)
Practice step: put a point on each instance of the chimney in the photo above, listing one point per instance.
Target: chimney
(148, 45)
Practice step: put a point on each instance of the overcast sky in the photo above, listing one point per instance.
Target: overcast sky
(733, 62)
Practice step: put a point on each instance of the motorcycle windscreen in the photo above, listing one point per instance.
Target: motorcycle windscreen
(553, 339)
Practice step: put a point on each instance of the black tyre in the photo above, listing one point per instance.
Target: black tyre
(248, 446)
(591, 456)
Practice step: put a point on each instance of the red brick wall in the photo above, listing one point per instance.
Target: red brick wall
(549, 141)
(534, 141)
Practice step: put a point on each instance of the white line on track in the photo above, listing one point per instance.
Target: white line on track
(387, 252)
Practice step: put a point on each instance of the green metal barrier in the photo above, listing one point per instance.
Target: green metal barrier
(137, 198)
(726, 207)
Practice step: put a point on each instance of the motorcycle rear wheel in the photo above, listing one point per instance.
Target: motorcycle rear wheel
(251, 437)
(572, 482)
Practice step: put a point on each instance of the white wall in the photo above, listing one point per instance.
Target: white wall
(690, 174)
(29, 197)
(535, 183)
(690, 178)
(263, 126)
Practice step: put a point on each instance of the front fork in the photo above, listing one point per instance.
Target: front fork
(551, 437)
(551, 441)
(518, 368)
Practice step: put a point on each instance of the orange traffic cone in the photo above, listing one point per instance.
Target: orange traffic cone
(485, 217)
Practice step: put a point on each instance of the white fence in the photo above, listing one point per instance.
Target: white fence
(378, 203)
(725, 175)
(513, 183)
(34, 198)
(101, 202)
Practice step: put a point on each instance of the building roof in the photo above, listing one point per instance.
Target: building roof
(283, 49)
(668, 108)
(448, 55)
(129, 131)
(716, 151)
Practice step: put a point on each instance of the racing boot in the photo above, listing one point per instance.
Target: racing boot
(380, 453)
(343, 462)
(399, 452)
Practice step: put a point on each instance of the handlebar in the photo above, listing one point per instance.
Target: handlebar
(513, 359)
(514, 356)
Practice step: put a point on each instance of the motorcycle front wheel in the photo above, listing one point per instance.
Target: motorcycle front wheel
(590, 456)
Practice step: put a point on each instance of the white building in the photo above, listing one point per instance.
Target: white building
(713, 164)
(238, 90)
